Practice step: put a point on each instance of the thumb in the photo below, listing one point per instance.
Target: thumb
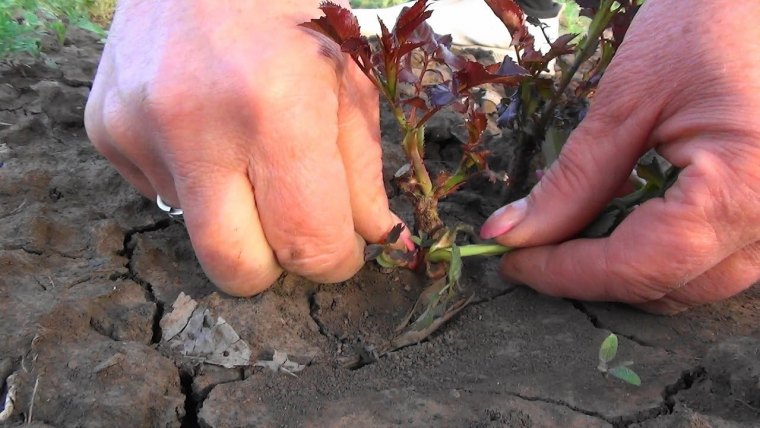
(593, 165)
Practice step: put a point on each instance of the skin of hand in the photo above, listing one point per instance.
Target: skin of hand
(686, 81)
(264, 133)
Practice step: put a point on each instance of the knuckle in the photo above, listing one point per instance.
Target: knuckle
(167, 101)
(115, 120)
(231, 270)
(329, 263)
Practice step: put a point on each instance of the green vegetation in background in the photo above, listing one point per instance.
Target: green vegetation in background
(23, 23)
(374, 4)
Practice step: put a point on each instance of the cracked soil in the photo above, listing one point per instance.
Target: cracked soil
(88, 267)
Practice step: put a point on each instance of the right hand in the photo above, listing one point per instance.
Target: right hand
(679, 85)
(263, 132)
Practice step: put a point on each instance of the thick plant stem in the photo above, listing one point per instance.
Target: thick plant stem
(414, 145)
(444, 254)
(422, 192)
(425, 201)
(426, 216)
(519, 171)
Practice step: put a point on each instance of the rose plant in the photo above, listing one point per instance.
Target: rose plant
(418, 74)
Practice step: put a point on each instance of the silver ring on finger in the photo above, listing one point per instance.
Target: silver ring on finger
(173, 212)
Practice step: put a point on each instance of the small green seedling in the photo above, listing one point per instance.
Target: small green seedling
(607, 353)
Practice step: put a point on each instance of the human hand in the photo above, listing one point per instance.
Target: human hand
(677, 84)
(262, 132)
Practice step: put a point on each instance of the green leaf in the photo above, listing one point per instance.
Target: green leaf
(608, 350)
(443, 239)
(455, 267)
(385, 261)
(625, 374)
(90, 26)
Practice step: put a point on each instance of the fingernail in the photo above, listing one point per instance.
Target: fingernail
(504, 219)
(406, 234)
(407, 238)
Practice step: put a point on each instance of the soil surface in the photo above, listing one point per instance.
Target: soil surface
(88, 268)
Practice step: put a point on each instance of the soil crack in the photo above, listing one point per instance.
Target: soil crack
(128, 252)
(47, 251)
(29, 251)
(196, 395)
(552, 401)
(565, 405)
(192, 405)
(323, 329)
(159, 225)
(487, 299)
(594, 320)
(687, 379)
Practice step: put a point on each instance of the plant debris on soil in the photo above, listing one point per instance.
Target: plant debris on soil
(90, 270)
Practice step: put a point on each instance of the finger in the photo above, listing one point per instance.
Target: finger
(301, 185)
(110, 123)
(127, 169)
(223, 223)
(359, 145)
(138, 144)
(731, 276)
(592, 166)
(104, 144)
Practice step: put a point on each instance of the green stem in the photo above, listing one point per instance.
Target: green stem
(595, 30)
(444, 254)
(392, 79)
(460, 176)
(648, 191)
(398, 113)
(455, 180)
(413, 145)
